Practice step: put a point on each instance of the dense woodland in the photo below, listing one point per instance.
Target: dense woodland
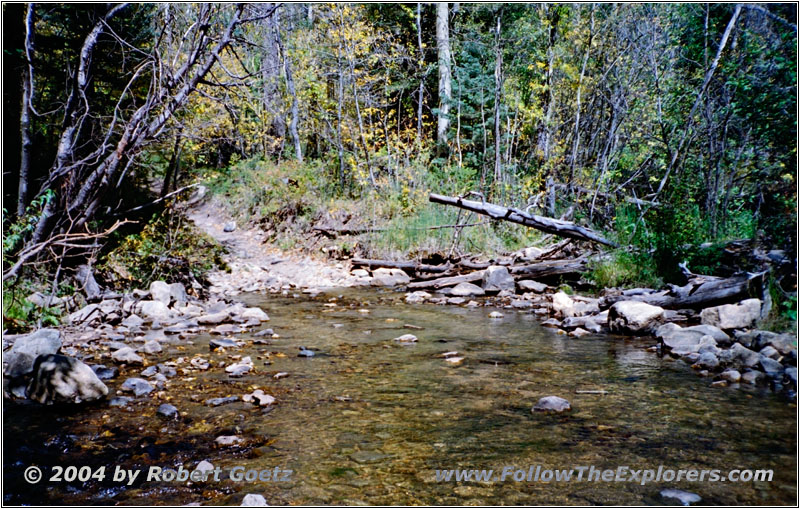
(664, 126)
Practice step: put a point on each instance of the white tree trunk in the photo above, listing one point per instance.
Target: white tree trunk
(445, 93)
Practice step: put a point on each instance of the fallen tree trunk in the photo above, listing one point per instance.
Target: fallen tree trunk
(443, 282)
(407, 266)
(550, 268)
(545, 224)
(707, 294)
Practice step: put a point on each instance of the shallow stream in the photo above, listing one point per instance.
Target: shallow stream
(368, 420)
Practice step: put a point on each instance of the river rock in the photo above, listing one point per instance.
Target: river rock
(178, 293)
(149, 371)
(633, 317)
(127, 355)
(138, 386)
(152, 347)
(222, 343)
(204, 466)
(215, 402)
(742, 356)
(133, 321)
(104, 372)
(770, 352)
(238, 370)
(752, 377)
(552, 404)
(167, 411)
(719, 336)
(61, 379)
(305, 352)
(731, 376)
(258, 397)
(496, 278)
(417, 297)
(521, 304)
(579, 332)
(119, 401)
(41, 300)
(227, 440)
(529, 285)
(160, 291)
(790, 373)
(153, 309)
(563, 305)
(759, 339)
(529, 254)
(389, 277)
(406, 338)
(255, 314)
(226, 328)
(683, 497)
(84, 315)
(466, 290)
(771, 367)
(20, 358)
(496, 315)
(707, 361)
(733, 316)
(254, 500)
(213, 318)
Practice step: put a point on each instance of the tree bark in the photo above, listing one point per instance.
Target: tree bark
(498, 88)
(445, 93)
(545, 224)
(25, 116)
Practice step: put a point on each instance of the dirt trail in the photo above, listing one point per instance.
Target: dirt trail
(257, 266)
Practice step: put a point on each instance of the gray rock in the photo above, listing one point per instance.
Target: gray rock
(61, 379)
(733, 316)
(521, 304)
(222, 343)
(104, 372)
(389, 277)
(149, 371)
(45, 301)
(226, 328)
(160, 291)
(769, 351)
(153, 309)
(417, 297)
(151, 347)
(529, 285)
(366, 457)
(178, 292)
(790, 373)
(719, 336)
(215, 402)
(133, 321)
(456, 300)
(127, 355)
(20, 358)
(771, 367)
(213, 318)
(116, 345)
(167, 371)
(256, 314)
(238, 370)
(497, 278)
(138, 386)
(466, 290)
(167, 411)
(258, 397)
(120, 401)
(305, 352)
(732, 376)
(683, 497)
(752, 377)
(707, 361)
(230, 226)
(579, 332)
(254, 500)
(552, 404)
(227, 440)
(85, 315)
(633, 317)
(744, 356)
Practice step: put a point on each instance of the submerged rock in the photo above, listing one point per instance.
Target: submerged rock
(167, 411)
(258, 397)
(104, 372)
(417, 297)
(254, 500)
(552, 404)
(684, 497)
(406, 338)
(305, 352)
(61, 379)
(214, 402)
(222, 343)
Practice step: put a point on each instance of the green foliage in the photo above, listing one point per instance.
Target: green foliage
(19, 314)
(623, 269)
(168, 248)
(24, 225)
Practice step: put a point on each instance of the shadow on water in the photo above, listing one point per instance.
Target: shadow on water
(369, 420)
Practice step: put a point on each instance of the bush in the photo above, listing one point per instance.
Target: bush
(168, 248)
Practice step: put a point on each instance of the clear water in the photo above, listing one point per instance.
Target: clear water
(368, 420)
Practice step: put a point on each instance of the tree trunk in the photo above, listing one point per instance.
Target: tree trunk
(445, 94)
(287, 68)
(422, 77)
(545, 224)
(576, 135)
(498, 88)
(25, 116)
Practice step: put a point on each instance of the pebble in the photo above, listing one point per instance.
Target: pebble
(278, 376)
(167, 411)
(496, 314)
(304, 352)
(258, 397)
(214, 402)
(406, 338)
(127, 356)
(105, 373)
(684, 497)
(227, 440)
(137, 386)
(552, 404)
(120, 401)
(222, 343)
(254, 500)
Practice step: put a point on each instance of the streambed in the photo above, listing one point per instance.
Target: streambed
(369, 420)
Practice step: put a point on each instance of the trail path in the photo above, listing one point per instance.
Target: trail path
(257, 266)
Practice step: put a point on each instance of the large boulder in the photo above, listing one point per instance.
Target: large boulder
(178, 292)
(153, 309)
(563, 305)
(160, 291)
(733, 316)
(682, 341)
(389, 277)
(61, 379)
(466, 290)
(20, 358)
(497, 278)
(634, 317)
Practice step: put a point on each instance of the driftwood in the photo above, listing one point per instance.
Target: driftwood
(443, 282)
(406, 266)
(335, 232)
(545, 224)
(712, 292)
(550, 268)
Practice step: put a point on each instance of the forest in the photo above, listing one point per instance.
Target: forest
(669, 126)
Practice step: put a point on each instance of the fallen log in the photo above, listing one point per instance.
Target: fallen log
(707, 294)
(443, 282)
(550, 268)
(404, 265)
(545, 224)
